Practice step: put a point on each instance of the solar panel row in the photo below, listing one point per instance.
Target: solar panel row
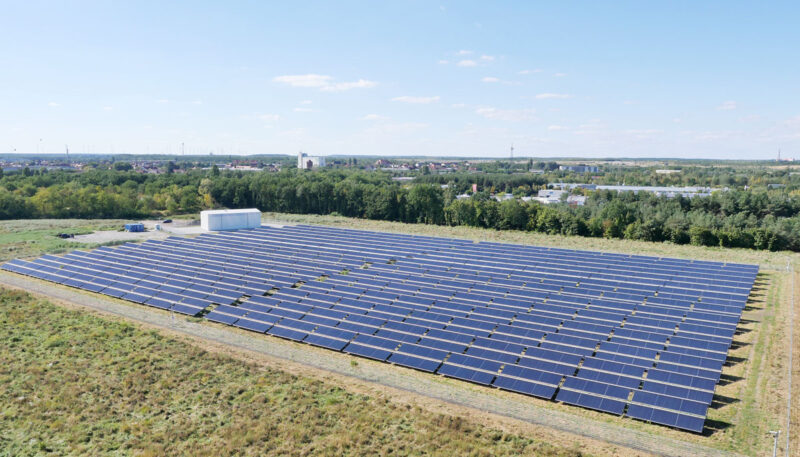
(642, 336)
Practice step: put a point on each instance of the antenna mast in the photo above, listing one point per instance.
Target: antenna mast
(67, 148)
(512, 152)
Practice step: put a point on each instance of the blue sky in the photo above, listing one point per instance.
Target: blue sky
(590, 79)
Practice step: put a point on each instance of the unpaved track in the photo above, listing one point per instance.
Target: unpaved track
(427, 386)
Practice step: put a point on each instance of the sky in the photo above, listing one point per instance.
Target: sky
(457, 78)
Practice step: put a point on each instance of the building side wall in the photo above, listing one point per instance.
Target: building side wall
(217, 221)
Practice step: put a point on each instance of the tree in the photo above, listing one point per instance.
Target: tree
(426, 204)
(170, 167)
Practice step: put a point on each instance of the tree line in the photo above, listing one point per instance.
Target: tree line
(756, 219)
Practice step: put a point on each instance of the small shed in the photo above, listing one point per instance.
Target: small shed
(230, 219)
(138, 227)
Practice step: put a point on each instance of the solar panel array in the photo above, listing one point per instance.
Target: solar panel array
(643, 337)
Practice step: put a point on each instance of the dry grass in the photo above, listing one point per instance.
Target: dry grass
(75, 384)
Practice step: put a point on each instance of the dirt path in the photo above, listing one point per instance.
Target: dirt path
(432, 392)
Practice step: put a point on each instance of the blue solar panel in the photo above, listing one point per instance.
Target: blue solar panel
(467, 374)
(221, 318)
(288, 333)
(366, 351)
(525, 387)
(517, 317)
(588, 400)
(414, 362)
(326, 342)
(255, 326)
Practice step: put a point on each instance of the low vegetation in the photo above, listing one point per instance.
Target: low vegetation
(76, 384)
(28, 238)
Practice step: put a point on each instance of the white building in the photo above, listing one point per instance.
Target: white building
(230, 219)
(307, 162)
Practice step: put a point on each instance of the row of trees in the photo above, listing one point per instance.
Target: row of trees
(750, 219)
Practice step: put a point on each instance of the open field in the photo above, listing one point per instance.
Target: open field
(31, 237)
(76, 384)
(750, 400)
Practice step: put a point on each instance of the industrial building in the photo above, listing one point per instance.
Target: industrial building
(230, 219)
(307, 162)
(579, 168)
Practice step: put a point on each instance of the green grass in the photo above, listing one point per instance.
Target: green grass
(72, 383)
(33, 237)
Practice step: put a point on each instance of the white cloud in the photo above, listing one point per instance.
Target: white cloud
(108, 108)
(197, 102)
(487, 58)
(559, 75)
(339, 87)
(504, 114)
(162, 100)
(549, 95)
(306, 102)
(467, 63)
(303, 110)
(463, 52)
(727, 106)
(490, 79)
(554, 128)
(309, 80)
(528, 72)
(459, 105)
(268, 117)
(322, 82)
(54, 104)
(373, 117)
(416, 100)
(444, 62)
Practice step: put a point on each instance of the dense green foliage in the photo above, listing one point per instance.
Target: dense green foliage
(759, 217)
(75, 384)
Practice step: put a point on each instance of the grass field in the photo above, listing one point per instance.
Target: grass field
(28, 238)
(750, 400)
(75, 384)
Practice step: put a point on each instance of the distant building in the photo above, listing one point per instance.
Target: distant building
(579, 168)
(503, 197)
(667, 172)
(307, 162)
(570, 185)
(576, 200)
(549, 196)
